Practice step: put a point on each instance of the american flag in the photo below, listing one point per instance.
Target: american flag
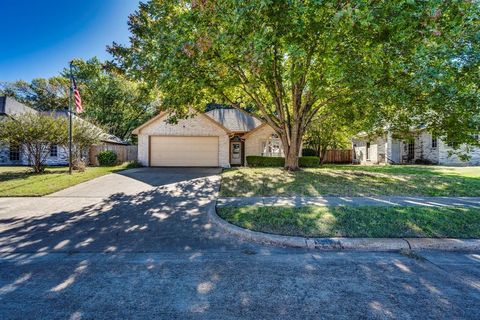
(78, 99)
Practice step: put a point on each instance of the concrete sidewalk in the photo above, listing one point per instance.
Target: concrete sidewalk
(350, 201)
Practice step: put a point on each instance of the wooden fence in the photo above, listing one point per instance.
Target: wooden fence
(339, 156)
(124, 153)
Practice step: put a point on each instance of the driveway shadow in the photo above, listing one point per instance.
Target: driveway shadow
(162, 176)
(171, 216)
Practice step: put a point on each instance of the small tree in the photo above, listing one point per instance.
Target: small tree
(36, 133)
(328, 131)
(84, 135)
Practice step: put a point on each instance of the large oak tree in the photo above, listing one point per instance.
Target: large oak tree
(396, 63)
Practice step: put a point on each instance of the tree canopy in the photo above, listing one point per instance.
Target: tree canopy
(395, 63)
(41, 94)
(36, 133)
(110, 100)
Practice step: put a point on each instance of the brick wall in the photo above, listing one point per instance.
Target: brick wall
(196, 126)
(253, 142)
(378, 150)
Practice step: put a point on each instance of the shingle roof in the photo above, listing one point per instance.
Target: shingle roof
(105, 136)
(234, 119)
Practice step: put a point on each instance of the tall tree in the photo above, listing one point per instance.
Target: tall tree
(41, 94)
(111, 100)
(289, 59)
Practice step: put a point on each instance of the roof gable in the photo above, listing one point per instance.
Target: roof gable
(163, 114)
(234, 120)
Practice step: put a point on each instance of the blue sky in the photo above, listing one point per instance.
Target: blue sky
(39, 37)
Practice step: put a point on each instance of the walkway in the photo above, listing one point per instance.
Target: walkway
(350, 201)
(138, 244)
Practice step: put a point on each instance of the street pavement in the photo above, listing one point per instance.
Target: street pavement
(138, 244)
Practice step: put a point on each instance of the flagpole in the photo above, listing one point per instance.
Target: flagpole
(70, 122)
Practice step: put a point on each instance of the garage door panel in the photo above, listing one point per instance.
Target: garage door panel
(171, 151)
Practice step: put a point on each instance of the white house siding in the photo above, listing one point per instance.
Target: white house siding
(423, 152)
(424, 149)
(196, 126)
(60, 160)
(445, 158)
(378, 150)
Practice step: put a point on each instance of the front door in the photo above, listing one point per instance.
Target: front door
(236, 153)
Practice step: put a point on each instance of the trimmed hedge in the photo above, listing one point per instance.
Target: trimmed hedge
(309, 162)
(107, 158)
(259, 161)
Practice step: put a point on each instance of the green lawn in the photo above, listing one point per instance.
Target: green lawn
(21, 182)
(366, 221)
(352, 180)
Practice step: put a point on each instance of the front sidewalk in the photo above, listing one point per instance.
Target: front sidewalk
(350, 201)
(370, 244)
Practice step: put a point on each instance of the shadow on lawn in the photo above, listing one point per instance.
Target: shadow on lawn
(358, 222)
(152, 262)
(345, 181)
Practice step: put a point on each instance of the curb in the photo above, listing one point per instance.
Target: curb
(339, 243)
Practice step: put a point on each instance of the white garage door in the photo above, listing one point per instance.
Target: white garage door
(169, 151)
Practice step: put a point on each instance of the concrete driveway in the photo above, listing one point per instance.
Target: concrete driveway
(138, 245)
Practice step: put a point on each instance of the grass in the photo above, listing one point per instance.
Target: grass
(365, 221)
(22, 182)
(352, 180)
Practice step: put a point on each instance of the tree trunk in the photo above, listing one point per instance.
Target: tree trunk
(322, 158)
(291, 147)
(291, 158)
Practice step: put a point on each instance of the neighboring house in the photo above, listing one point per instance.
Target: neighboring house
(421, 148)
(16, 155)
(221, 137)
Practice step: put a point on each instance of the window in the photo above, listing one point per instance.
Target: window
(411, 150)
(434, 142)
(272, 147)
(14, 152)
(53, 150)
(368, 151)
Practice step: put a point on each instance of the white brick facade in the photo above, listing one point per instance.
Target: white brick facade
(254, 140)
(60, 160)
(198, 125)
(377, 153)
(424, 151)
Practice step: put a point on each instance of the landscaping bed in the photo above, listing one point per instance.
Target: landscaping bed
(21, 182)
(360, 221)
(352, 180)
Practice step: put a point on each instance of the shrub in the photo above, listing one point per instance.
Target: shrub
(309, 152)
(423, 161)
(309, 162)
(134, 164)
(259, 161)
(79, 165)
(107, 158)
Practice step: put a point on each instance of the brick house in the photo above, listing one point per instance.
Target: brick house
(16, 155)
(422, 147)
(221, 137)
